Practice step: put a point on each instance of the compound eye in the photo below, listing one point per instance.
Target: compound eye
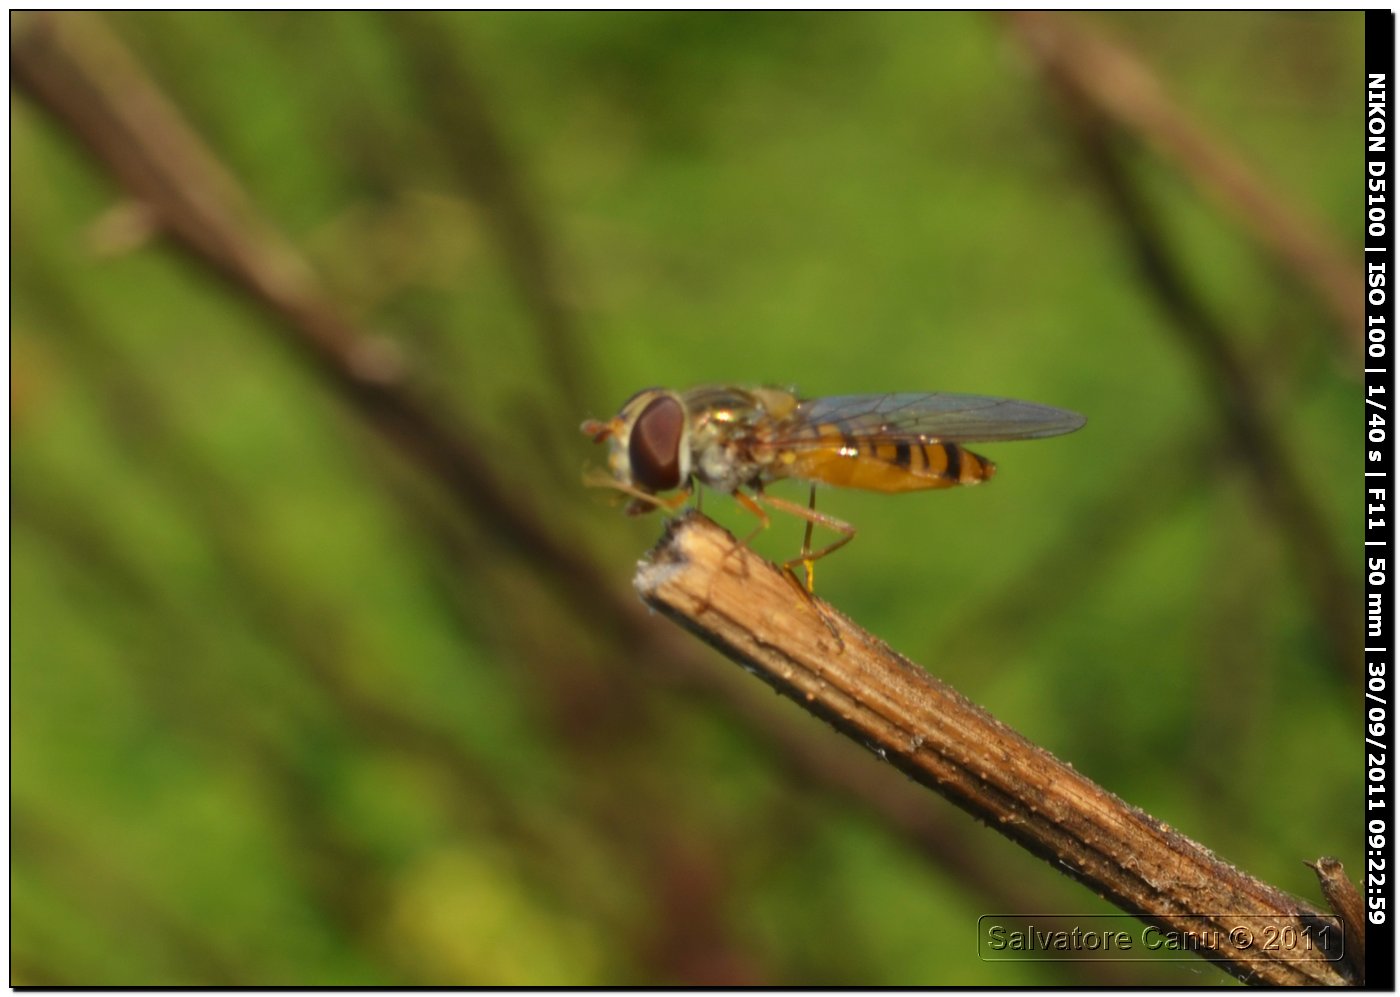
(654, 447)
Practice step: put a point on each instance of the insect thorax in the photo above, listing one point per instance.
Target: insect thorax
(722, 439)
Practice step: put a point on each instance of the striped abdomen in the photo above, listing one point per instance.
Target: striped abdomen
(880, 466)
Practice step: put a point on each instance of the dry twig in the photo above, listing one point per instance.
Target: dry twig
(748, 609)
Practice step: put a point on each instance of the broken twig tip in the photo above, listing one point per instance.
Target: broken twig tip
(1345, 901)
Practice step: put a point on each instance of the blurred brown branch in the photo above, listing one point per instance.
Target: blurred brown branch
(1233, 387)
(1119, 87)
(735, 601)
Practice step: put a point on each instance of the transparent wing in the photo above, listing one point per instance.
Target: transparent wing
(922, 418)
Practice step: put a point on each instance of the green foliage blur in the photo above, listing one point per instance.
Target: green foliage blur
(283, 714)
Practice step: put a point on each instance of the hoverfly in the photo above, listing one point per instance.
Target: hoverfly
(732, 439)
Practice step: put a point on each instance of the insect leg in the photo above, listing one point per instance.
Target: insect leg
(813, 518)
(808, 555)
(641, 501)
(763, 521)
(807, 536)
(753, 507)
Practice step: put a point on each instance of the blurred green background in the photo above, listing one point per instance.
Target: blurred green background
(286, 710)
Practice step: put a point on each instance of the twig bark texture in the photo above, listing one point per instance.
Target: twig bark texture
(750, 611)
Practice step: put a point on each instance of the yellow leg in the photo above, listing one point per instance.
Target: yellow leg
(807, 540)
